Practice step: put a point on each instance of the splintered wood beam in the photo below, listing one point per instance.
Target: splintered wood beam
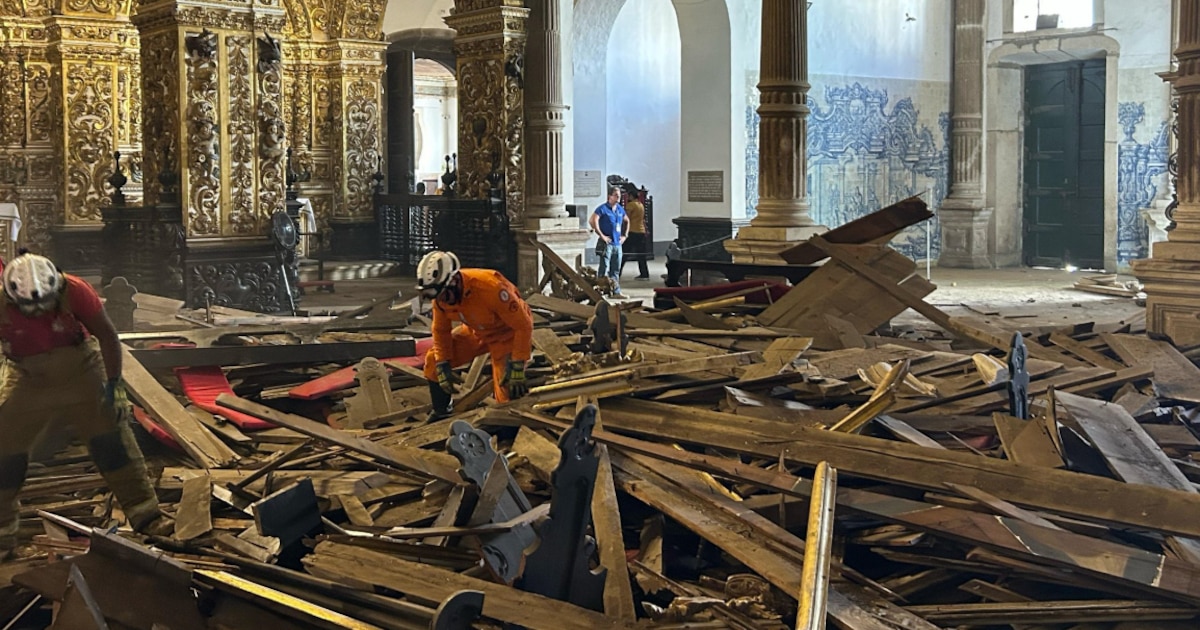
(1130, 453)
(207, 449)
(433, 583)
(1125, 566)
(814, 588)
(606, 520)
(1052, 612)
(1060, 491)
(771, 551)
(436, 465)
(281, 602)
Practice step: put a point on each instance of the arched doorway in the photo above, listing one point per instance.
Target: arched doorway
(422, 106)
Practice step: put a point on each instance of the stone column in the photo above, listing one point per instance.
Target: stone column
(545, 218)
(783, 218)
(1172, 273)
(964, 218)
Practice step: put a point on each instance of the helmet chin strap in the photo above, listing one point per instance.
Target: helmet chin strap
(452, 292)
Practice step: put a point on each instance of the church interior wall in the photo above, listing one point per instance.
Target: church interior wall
(1136, 40)
(878, 129)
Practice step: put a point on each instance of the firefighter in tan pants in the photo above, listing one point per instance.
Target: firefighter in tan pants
(63, 363)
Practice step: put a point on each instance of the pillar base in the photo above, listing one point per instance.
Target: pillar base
(562, 235)
(1172, 286)
(763, 245)
(965, 242)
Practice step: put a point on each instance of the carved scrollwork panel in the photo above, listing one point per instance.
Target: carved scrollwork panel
(362, 149)
(272, 133)
(37, 80)
(161, 98)
(204, 154)
(251, 286)
(240, 129)
(90, 122)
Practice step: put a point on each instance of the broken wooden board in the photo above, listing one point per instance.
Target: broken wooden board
(1175, 376)
(436, 584)
(436, 465)
(1064, 492)
(844, 292)
(877, 227)
(207, 449)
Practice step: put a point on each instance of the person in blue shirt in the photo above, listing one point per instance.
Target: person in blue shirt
(611, 223)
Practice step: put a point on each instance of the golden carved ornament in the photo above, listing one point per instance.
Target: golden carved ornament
(90, 137)
(272, 133)
(161, 98)
(204, 155)
(362, 145)
(240, 123)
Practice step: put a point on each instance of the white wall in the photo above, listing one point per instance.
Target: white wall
(875, 38)
(405, 14)
(642, 131)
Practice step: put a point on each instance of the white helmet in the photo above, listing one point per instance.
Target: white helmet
(435, 270)
(33, 283)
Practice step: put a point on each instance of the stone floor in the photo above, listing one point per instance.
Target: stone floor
(1014, 296)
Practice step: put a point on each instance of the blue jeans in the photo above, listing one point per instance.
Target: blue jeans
(611, 263)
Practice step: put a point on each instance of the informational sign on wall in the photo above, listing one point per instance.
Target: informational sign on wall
(587, 184)
(706, 186)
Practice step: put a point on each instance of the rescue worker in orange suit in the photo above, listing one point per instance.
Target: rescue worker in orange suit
(494, 320)
(62, 362)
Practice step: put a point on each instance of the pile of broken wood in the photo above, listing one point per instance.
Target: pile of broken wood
(719, 464)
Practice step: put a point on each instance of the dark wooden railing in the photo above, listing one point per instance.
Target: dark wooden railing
(476, 230)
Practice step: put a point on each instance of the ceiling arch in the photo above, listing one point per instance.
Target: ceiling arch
(402, 15)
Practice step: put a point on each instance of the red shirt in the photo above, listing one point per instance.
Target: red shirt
(24, 336)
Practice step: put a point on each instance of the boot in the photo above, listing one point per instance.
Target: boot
(442, 402)
(120, 462)
(12, 477)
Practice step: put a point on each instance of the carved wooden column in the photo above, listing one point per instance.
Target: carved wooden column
(964, 218)
(783, 213)
(1172, 273)
(356, 98)
(28, 170)
(90, 48)
(213, 88)
(545, 217)
(490, 46)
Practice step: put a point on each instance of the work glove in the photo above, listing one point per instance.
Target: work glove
(114, 393)
(447, 379)
(515, 378)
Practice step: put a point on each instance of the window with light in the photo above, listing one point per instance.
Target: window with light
(1032, 15)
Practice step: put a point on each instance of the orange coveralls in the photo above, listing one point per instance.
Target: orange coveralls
(495, 320)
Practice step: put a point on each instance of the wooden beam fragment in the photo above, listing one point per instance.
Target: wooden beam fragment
(204, 447)
(424, 462)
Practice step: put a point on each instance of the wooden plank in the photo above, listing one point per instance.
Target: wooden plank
(1130, 452)
(302, 610)
(877, 227)
(584, 312)
(1175, 376)
(204, 447)
(1078, 349)
(567, 270)
(549, 343)
(436, 465)
(194, 515)
(1064, 492)
(1026, 441)
(779, 355)
(606, 519)
(1111, 562)
(768, 549)
(433, 583)
(356, 512)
